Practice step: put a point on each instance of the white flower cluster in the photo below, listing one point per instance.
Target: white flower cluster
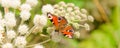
(47, 8)
(32, 2)
(7, 45)
(14, 35)
(21, 31)
(20, 41)
(10, 20)
(10, 3)
(11, 34)
(74, 15)
(40, 20)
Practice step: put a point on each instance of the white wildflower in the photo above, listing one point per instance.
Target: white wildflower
(32, 2)
(56, 11)
(11, 34)
(77, 17)
(38, 46)
(63, 12)
(36, 19)
(76, 8)
(77, 12)
(10, 20)
(83, 17)
(2, 30)
(90, 18)
(10, 23)
(7, 45)
(62, 3)
(77, 34)
(76, 25)
(9, 15)
(2, 22)
(43, 20)
(25, 7)
(5, 3)
(70, 5)
(72, 14)
(40, 20)
(72, 18)
(1, 37)
(20, 41)
(15, 3)
(61, 8)
(47, 8)
(84, 11)
(87, 27)
(25, 15)
(69, 9)
(56, 36)
(23, 29)
(56, 6)
(68, 18)
(10, 3)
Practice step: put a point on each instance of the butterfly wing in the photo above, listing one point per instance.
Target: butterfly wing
(62, 22)
(58, 22)
(61, 25)
(53, 19)
(68, 31)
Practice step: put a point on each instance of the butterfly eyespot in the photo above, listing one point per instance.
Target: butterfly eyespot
(49, 16)
(59, 19)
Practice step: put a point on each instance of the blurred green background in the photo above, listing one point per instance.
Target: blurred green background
(106, 27)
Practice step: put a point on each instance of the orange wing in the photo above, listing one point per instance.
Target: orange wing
(62, 22)
(68, 31)
(59, 22)
(61, 25)
(53, 19)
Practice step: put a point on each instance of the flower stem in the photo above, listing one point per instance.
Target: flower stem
(30, 31)
(21, 22)
(81, 25)
(101, 10)
(39, 43)
(6, 10)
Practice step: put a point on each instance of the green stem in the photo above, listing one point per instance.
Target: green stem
(30, 31)
(39, 43)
